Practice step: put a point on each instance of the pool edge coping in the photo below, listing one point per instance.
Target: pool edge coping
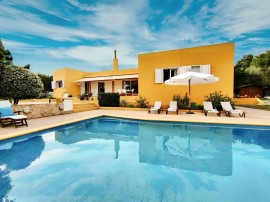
(26, 132)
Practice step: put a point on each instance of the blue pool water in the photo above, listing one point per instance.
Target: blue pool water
(109, 159)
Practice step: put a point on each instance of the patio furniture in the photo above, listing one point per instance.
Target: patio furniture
(156, 107)
(208, 108)
(173, 107)
(227, 107)
(7, 116)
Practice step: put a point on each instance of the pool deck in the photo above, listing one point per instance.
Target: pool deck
(253, 117)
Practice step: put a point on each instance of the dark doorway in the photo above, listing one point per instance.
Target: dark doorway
(101, 87)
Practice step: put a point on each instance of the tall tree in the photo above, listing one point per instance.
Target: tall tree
(262, 62)
(6, 58)
(241, 77)
(46, 80)
(19, 83)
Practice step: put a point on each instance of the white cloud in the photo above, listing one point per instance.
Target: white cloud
(124, 25)
(235, 18)
(81, 6)
(182, 9)
(97, 56)
(43, 6)
(30, 24)
(19, 46)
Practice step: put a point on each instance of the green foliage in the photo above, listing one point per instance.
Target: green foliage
(218, 97)
(5, 57)
(19, 83)
(262, 62)
(141, 102)
(197, 106)
(50, 97)
(252, 70)
(123, 103)
(46, 80)
(182, 102)
(28, 67)
(241, 77)
(109, 99)
(85, 96)
(130, 105)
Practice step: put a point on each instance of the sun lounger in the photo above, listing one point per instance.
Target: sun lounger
(156, 107)
(7, 116)
(208, 108)
(173, 107)
(227, 107)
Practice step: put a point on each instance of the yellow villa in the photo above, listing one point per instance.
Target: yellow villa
(153, 69)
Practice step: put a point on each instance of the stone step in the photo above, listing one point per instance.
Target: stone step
(83, 110)
(84, 107)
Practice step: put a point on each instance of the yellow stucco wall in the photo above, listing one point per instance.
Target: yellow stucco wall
(220, 57)
(69, 76)
(248, 101)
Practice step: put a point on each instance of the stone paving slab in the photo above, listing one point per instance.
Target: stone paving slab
(253, 117)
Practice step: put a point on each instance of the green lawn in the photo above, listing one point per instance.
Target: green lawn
(262, 107)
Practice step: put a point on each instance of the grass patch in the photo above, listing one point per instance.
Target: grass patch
(262, 107)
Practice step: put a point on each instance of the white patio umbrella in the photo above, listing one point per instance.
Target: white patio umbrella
(189, 79)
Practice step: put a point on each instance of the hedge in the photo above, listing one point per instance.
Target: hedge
(109, 99)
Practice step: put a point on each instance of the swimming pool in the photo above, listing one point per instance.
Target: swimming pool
(108, 159)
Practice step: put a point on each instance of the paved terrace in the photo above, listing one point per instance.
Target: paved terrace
(253, 117)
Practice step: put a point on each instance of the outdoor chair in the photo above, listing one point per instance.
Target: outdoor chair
(7, 116)
(227, 107)
(156, 107)
(173, 107)
(208, 108)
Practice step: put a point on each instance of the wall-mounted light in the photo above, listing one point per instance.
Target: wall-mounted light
(78, 83)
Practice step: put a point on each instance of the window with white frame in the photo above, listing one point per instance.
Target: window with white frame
(195, 68)
(58, 84)
(131, 85)
(161, 75)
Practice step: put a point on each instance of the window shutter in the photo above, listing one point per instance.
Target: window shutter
(206, 69)
(183, 69)
(53, 84)
(63, 83)
(158, 75)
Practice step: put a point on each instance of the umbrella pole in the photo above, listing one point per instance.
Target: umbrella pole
(189, 100)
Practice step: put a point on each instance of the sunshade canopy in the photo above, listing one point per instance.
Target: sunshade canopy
(189, 79)
(192, 77)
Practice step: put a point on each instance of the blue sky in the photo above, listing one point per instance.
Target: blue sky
(82, 34)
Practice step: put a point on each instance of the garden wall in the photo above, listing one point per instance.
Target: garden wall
(33, 111)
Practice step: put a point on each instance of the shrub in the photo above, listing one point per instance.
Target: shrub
(182, 102)
(109, 99)
(19, 83)
(197, 106)
(50, 97)
(130, 105)
(218, 97)
(123, 103)
(141, 102)
(85, 96)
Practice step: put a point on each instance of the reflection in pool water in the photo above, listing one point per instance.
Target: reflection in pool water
(110, 159)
